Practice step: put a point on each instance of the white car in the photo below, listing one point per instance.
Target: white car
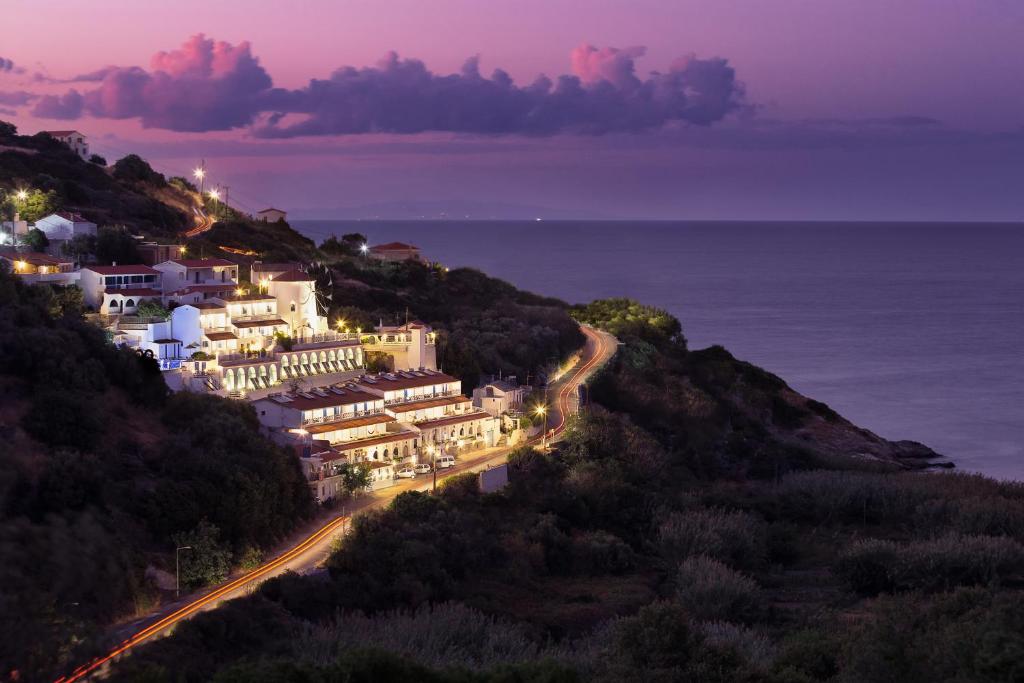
(406, 472)
(445, 461)
(423, 468)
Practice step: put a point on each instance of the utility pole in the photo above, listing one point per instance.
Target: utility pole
(227, 196)
(177, 570)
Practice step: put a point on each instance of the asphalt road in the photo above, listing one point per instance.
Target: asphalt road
(308, 550)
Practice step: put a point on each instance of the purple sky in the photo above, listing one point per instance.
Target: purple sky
(838, 109)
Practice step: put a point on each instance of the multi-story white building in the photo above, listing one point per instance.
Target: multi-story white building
(399, 417)
(499, 397)
(118, 290)
(78, 143)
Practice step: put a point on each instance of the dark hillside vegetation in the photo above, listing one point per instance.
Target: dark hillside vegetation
(101, 469)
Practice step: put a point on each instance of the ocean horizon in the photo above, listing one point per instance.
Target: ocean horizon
(912, 330)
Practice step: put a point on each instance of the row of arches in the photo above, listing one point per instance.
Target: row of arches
(292, 366)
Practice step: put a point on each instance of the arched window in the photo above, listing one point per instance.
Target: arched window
(462, 431)
(129, 303)
(293, 308)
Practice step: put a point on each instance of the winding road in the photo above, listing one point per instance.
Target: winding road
(203, 223)
(307, 553)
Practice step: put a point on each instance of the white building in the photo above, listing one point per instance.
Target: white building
(11, 232)
(390, 417)
(412, 346)
(296, 294)
(64, 225)
(73, 139)
(189, 281)
(271, 215)
(499, 397)
(113, 290)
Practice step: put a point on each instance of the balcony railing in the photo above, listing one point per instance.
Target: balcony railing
(342, 416)
(255, 318)
(312, 340)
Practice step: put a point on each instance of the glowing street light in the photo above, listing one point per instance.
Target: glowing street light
(364, 249)
(214, 195)
(21, 195)
(541, 411)
(200, 175)
(239, 291)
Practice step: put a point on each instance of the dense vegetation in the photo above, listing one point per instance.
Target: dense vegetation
(486, 326)
(695, 543)
(102, 471)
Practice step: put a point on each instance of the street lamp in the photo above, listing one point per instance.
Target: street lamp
(542, 412)
(177, 570)
(200, 175)
(21, 195)
(364, 249)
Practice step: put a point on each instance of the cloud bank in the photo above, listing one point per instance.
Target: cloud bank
(7, 66)
(210, 85)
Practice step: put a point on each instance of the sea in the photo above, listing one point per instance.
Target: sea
(912, 330)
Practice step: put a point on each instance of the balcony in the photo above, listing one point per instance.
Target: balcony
(342, 416)
(313, 341)
(254, 318)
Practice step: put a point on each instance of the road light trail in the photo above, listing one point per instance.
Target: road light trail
(602, 353)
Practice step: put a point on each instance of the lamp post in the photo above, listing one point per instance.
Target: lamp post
(432, 450)
(177, 569)
(363, 249)
(542, 412)
(200, 175)
(215, 196)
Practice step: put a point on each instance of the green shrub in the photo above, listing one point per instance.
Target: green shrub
(711, 591)
(736, 538)
(599, 552)
(874, 566)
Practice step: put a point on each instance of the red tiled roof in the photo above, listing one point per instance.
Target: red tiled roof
(390, 437)
(259, 323)
(427, 403)
(382, 383)
(202, 262)
(330, 400)
(293, 276)
(205, 305)
(134, 269)
(271, 209)
(348, 423)
(221, 336)
(453, 419)
(34, 258)
(394, 246)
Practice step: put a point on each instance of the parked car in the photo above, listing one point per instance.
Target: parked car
(445, 461)
(423, 468)
(406, 472)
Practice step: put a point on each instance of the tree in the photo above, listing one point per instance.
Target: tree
(208, 560)
(8, 129)
(134, 168)
(356, 478)
(39, 204)
(80, 246)
(98, 160)
(152, 309)
(116, 245)
(36, 240)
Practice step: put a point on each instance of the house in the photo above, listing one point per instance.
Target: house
(271, 215)
(153, 253)
(194, 280)
(33, 267)
(118, 290)
(412, 346)
(395, 251)
(64, 225)
(73, 139)
(499, 397)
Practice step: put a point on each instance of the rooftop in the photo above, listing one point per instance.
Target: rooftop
(252, 296)
(453, 419)
(349, 423)
(203, 262)
(273, 322)
(325, 397)
(61, 133)
(393, 246)
(133, 291)
(211, 287)
(220, 336)
(271, 209)
(34, 258)
(134, 269)
(206, 305)
(405, 379)
(390, 437)
(293, 276)
(427, 403)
